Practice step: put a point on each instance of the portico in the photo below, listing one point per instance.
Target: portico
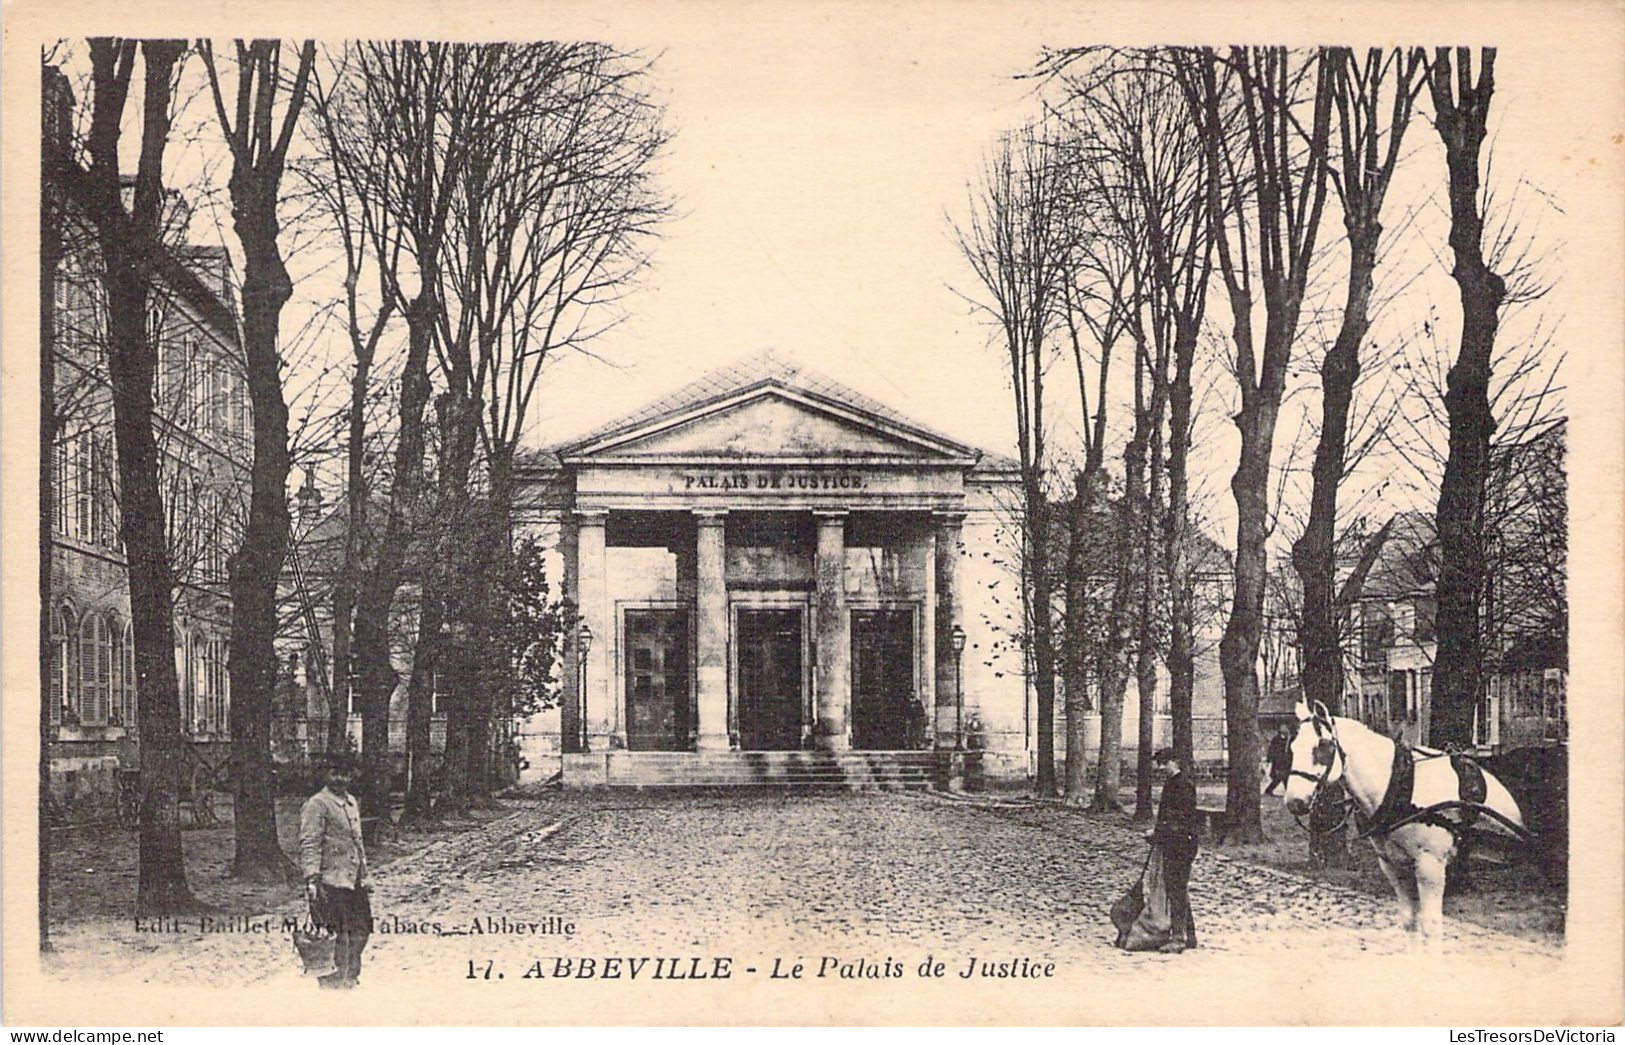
(764, 561)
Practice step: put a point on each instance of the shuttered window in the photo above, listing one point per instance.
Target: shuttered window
(95, 669)
(60, 661)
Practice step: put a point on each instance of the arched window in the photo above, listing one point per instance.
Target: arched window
(106, 493)
(239, 409)
(61, 487)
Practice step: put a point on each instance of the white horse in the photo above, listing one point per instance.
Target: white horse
(1414, 833)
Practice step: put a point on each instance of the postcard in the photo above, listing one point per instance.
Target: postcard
(813, 513)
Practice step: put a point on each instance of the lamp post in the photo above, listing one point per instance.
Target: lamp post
(957, 639)
(584, 644)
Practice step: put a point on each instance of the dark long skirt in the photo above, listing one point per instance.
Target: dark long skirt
(1156, 912)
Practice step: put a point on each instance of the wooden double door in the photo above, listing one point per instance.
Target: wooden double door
(769, 646)
(659, 696)
(885, 714)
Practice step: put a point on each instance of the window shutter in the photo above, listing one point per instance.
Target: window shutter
(132, 709)
(87, 668)
(180, 678)
(104, 669)
(86, 488)
(59, 488)
(59, 653)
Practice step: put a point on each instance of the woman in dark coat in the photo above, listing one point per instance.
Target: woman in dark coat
(1156, 914)
(1175, 833)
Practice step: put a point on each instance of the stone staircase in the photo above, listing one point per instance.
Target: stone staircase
(796, 770)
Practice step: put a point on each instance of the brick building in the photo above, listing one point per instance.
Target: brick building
(202, 424)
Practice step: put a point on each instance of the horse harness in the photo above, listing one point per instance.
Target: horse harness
(1398, 808)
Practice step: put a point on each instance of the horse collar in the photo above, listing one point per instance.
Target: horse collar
(1396, 800)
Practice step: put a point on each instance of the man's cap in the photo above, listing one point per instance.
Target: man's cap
(341, 764)
(1164, 754)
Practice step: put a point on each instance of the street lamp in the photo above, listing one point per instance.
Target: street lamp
(956, 638)
(584, 643)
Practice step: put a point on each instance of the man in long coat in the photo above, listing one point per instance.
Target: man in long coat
(1280, 759)
(334, 863)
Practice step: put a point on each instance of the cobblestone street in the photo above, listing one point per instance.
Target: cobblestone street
(853, 878)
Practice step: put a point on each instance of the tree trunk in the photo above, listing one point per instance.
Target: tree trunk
(1145, 655)
(376, 676)
(1145, 642)
(132, 360)
(1133, 521)
(1238, 650)
(1042, 621)
(453, 584)
(256, 567)
(1314, 555)
(420, 790)
(1076, 643)
(1461, 125)
(1181, 595)
(1145, 671)
(345, 588)
(1109, 760)
(338, 708)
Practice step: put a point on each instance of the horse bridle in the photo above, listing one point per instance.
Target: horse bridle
(1328, 741)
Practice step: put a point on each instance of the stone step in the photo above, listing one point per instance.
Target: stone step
(847, 770)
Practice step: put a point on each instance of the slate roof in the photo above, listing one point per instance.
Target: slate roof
(1409, 561)
(761, 369)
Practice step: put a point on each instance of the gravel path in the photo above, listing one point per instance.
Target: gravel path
(860, 886)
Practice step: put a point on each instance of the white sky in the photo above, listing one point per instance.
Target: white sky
(819, 151)
(812, 173)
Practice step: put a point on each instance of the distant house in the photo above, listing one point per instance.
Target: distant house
(1390, 637)
(1213, 580)
(305, 639)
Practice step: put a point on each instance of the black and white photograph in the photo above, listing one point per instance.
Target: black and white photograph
(814, 514)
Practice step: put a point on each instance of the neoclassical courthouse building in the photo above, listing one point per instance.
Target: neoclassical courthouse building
(767, 561)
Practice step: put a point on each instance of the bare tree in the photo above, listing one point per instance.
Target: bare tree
(1266, 179)
(131, 246)
(358, 215)
(389, 122)
(1370, 150)
(1461, 108)
(550, 231)
(1094, 300)
(1016, 241)
(259, 150)
(1161, 159)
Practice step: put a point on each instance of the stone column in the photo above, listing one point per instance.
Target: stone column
(948, 526)
(593, 571)
(832, 629)
(711, 632)
(570, 703)
(926, 664)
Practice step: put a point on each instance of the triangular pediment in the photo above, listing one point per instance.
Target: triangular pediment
(771, 423)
